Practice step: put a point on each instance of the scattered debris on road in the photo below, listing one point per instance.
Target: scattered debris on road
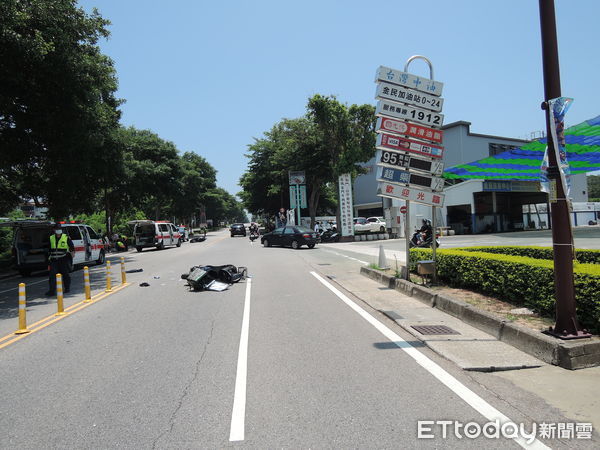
(214, 278)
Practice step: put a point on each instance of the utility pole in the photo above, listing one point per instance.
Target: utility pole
(566, 326)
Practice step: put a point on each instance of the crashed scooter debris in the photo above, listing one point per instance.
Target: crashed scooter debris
(214, 278)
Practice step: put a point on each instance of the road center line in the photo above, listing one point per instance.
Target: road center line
(238, 415)
(470, 397)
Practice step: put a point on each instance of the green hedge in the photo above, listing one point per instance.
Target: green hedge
(519, 280)
(582, 255)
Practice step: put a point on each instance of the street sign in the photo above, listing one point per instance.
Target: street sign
(389, 142)
(403, 209)
(409, 169)
(409, 193)
(409, 96)
(303, 203)
(294, 195)
(409, 129)
(404, 160)
(297, 177)
(399, 111)
(405, 177)
(409, 80)
(346, 205)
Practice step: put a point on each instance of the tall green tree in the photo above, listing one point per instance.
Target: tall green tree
(347, 134)
(330, 140)
(197, 179)
(221, 206)
(300, 148)
(151, 174)
(263, 183)
(57, 102)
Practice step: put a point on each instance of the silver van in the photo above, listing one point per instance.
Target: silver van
(158, 234)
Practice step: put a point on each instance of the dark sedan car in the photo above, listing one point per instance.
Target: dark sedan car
(237, 229)
(290, 236)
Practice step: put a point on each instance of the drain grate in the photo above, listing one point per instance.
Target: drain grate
(434, 329)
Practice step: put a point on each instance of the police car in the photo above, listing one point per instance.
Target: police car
(158, 234)
(31, 244)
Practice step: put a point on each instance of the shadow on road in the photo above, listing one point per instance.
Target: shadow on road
(9, 302)
(398, 346)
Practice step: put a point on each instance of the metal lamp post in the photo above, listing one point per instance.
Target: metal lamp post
(566, 326)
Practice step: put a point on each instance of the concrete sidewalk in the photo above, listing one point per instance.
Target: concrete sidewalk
(572, 392)
(466, 346)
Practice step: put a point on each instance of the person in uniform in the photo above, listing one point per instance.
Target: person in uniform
(61, 249)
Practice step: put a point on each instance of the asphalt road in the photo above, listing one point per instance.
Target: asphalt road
(163, 367)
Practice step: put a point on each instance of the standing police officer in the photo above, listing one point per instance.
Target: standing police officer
(61, 248)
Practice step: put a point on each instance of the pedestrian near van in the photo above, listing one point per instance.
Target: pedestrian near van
(281, 218)
(61, 250)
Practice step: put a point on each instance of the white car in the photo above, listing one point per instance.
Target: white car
(370, 225)
(361, 225)
(376, 224)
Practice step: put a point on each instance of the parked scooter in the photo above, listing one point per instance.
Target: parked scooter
(329, 236)
(418, 241)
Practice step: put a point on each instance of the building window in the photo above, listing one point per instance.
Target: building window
(499, 148)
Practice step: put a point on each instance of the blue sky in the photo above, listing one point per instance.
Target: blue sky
(210, 76)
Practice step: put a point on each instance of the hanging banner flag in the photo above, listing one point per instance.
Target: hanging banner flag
(558, 107)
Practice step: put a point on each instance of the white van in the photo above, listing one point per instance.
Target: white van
(31, 244)
(158, 234)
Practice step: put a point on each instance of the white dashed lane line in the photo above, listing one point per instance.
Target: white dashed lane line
(346, 256)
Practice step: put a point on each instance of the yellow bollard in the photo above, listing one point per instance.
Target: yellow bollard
(86, 283)
(59, 295)
(123, 276)
(22, 311)
(108, 280)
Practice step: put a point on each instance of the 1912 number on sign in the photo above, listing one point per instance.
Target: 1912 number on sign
(400, 111)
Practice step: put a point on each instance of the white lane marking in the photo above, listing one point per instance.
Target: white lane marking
(346, 256)
(238, 415)
(470, 397)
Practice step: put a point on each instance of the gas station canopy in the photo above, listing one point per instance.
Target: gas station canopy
(583, 154)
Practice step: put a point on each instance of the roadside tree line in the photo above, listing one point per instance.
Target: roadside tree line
(61, 142)
(331, 139)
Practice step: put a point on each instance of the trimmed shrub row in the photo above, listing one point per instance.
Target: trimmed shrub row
(582, 255)
(519, 280)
